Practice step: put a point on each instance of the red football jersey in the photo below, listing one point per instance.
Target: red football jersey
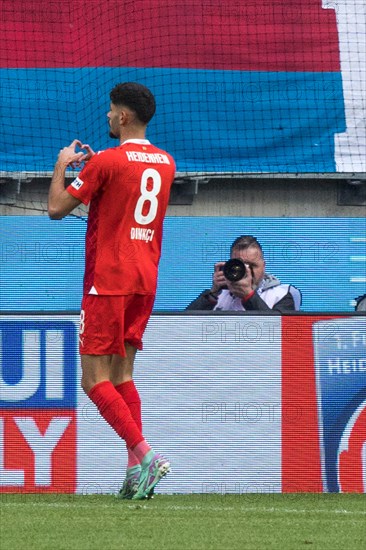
(128, 189)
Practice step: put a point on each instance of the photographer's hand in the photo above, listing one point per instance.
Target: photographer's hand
(244, 287)
(218, 280)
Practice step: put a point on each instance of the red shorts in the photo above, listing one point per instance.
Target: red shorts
(107, 322)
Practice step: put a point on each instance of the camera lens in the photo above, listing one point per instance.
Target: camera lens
(234, 270)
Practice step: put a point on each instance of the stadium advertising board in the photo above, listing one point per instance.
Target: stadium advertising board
(239, 404)
(328, 267)
(38, 426)
(324, 376)
(341, 389)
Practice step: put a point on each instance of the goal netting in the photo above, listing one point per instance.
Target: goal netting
(276, 86)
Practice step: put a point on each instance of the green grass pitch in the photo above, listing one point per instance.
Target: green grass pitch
(183, 522)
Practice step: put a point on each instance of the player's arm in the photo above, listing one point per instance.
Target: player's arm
(60, 202)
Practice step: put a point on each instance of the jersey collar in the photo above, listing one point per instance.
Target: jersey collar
(138, 141)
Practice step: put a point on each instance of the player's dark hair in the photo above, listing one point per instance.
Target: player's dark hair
(136, 97)
(245, 241)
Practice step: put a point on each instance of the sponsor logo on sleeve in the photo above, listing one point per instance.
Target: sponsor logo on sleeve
(77, 183)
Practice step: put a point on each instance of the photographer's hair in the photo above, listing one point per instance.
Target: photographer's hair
(245, 241)
(136, 97)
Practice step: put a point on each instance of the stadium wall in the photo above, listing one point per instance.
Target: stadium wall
(251, 197)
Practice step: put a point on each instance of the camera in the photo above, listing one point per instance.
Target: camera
(234, 270)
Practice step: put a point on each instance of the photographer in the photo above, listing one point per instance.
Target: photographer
(361, 303)
(244, 285)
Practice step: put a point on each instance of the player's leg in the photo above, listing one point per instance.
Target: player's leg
(98, 386)
(137, 310)
(105, 322)
(153, 466)
(96, 382)
(99, 340)
(122, 378)
(122, 367)
(95, 369)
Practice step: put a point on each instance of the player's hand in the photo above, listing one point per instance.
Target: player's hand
(218, 280)
(68, 155)
(88, 155)
(242, 288)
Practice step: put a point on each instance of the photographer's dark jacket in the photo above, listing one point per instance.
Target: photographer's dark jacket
(270, 295)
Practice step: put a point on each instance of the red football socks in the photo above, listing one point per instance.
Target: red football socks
(131, 396)
(116, 412)
(132, 399)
